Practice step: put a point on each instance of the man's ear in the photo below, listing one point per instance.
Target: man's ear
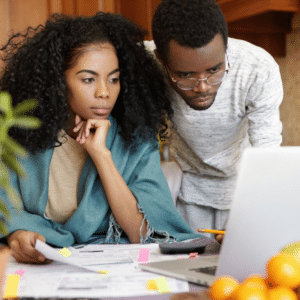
(158, 57)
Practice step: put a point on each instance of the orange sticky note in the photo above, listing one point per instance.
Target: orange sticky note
(65, 252)
(11, 286)
(151, 285)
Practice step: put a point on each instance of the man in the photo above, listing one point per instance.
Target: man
(225, 95)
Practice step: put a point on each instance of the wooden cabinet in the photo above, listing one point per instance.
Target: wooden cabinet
(82, 7)
(264, 23)
(140, 11)
(17, 15)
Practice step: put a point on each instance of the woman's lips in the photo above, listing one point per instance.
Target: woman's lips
(101, 111)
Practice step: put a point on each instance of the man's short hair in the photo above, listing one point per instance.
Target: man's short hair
(191, 23)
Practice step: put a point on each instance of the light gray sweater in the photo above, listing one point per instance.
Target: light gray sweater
(208, 144)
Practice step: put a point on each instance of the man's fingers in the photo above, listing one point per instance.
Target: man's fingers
(219, 238)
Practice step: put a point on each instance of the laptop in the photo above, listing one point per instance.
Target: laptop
(264, 218)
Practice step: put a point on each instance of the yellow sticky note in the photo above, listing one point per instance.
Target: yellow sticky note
(65, 252)
(162, 284)
(103, 272)
(11, 287)
(151, 285)
(159, 284)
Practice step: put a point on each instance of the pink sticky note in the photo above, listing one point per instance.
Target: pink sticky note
(20, 272)
(144, 255)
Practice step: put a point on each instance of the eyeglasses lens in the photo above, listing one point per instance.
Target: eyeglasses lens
(190, 83)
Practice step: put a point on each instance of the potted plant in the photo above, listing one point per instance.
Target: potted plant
(9, 151)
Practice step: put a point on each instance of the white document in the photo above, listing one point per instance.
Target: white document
(114, 272)
(88, 258)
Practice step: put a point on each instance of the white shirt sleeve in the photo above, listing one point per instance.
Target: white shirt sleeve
(262, 109)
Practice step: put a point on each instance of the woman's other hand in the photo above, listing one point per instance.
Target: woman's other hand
(22, 245)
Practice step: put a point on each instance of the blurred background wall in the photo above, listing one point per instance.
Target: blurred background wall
(273, 25)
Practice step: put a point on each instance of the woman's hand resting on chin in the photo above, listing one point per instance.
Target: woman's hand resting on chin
(92, 133)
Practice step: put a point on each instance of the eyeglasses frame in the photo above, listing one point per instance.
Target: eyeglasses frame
(227, 68)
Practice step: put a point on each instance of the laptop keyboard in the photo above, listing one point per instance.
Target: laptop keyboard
(207, 270)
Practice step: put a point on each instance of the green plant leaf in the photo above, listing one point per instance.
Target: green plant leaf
(12, 162)
(3, 229)
(4, 176)
(4, 210)
(15, 148)
(7, 187)
(5, 102)
(24, 107)
(27, 122)
(9, 149)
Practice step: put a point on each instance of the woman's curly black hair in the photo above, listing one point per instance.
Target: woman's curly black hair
(191, 23)
(36, 62)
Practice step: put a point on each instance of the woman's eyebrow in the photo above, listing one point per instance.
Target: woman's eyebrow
(87, 71)
(114, 71)
(95, 73)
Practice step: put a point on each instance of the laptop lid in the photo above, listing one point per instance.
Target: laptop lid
(264, 216)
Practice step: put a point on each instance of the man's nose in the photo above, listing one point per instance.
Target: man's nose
(102, 90)
(201, 87)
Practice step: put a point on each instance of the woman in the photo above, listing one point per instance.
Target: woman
(94, 168)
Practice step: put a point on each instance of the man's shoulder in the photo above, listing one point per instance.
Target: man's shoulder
(247, 52)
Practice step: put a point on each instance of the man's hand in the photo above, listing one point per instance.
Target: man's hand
(22, 245)
(219, 238)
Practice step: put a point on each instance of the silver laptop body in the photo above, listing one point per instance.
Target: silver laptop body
(265, 217)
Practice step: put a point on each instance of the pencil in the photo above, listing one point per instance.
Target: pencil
(212, 231)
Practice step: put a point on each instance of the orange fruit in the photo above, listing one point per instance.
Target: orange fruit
(282, 293)
(256, 281)
(248, 292)
(293, 249)
(222, 287)
(270, 283)
(283, 269)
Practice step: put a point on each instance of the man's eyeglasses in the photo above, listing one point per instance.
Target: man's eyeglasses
(190, 83)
